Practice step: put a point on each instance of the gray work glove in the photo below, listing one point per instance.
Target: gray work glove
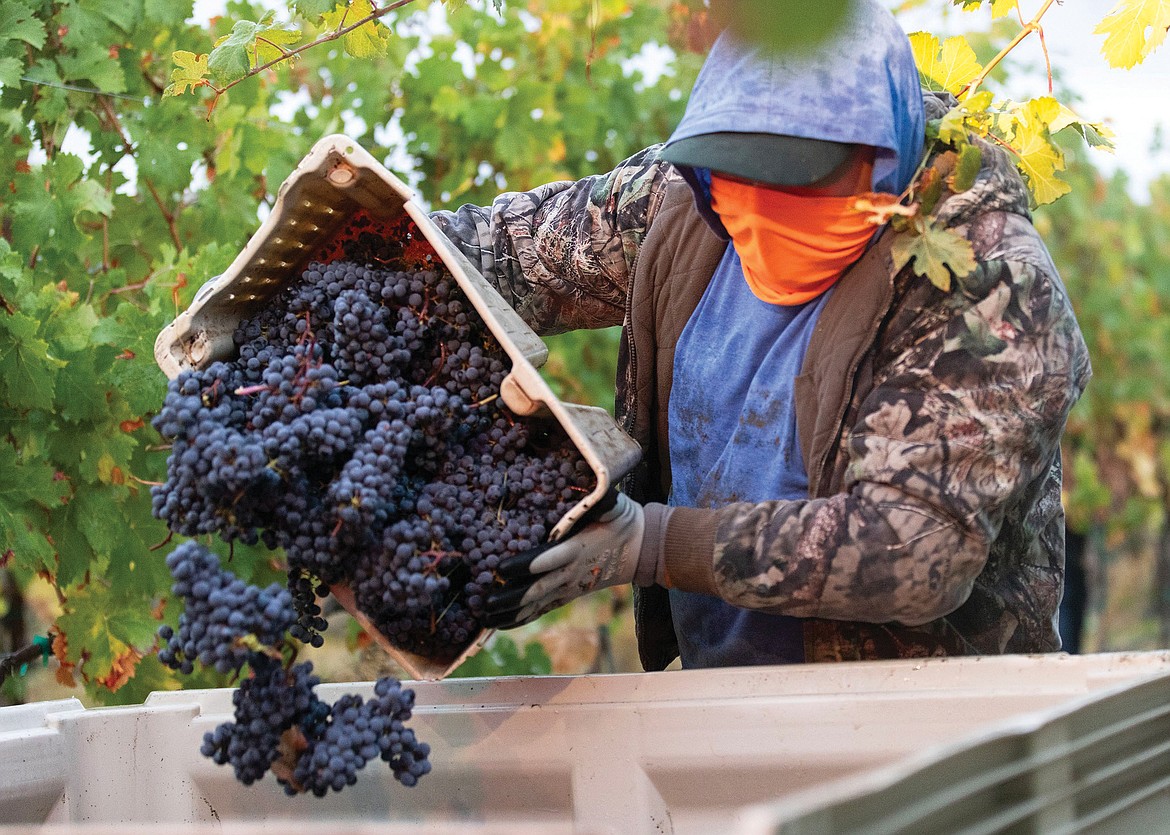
(603, 552)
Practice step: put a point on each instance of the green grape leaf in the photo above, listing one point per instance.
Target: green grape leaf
(937, 253)
(967, 168)
(91, 62)
(27, 369)
(135, 566)
(10, 71)
(313, 9)
(190, 71)
(1133, 29)
(17, 23)
(948, 67)
(29, 480)
(91, 524)
(167, 11)
(80, 375)
(92, 196)
(1095, 134)
(21, 542)
(122, 13)
(368, 40)
(250, 44)
(93, 450)
(107, 632)
(229, 59)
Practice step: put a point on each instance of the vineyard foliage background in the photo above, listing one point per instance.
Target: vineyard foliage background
(119, 202)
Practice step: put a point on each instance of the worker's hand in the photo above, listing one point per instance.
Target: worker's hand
(604, 552)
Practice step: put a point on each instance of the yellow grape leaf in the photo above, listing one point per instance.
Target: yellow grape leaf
(969, 117)
(947, 67)
(937, 253)
(1039, 159)
(270, 45)
(1132, 30)
(999, 8)
(190, 69)
(369, 39)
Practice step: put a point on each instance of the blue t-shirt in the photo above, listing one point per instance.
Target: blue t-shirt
(732, 424)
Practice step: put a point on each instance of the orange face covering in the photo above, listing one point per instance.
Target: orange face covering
(792, 247)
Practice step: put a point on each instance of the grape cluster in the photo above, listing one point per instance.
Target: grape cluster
(357, 731)
(221, 612)
(360, 429)
(279, 722)
(311, 746)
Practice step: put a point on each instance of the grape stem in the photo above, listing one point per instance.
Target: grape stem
(288, 54)
(1028, 28)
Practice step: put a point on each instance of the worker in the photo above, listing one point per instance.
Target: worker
(840, 459)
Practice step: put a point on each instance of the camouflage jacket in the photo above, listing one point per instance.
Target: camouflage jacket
(930, 420)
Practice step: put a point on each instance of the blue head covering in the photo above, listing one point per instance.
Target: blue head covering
(859, 86)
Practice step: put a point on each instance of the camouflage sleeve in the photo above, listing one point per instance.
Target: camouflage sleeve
(964, 418)
(563, 254)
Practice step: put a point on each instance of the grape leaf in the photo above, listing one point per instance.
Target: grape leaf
(313, 9)
(1039, 158)
(79, 375)
(18, 24)
(190, 71)
(30, 548)
(91, 524)
(937, 253)
(27, 369)
(967, 168)
(229, 60)
(10, 72)
(1095, 134)
(269, 44)
(122, 13)
(167, 11)
(92, 62)
(999, 8)
(107, 633)
(369, 39)
(86, 444)
(24, 481)
(250, 44)
(1132, 30)
(948, 67)
(92, 196)
(958, 122)
(135, 566)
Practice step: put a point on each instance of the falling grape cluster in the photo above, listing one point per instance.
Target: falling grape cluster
(280, 724)
(360, 430)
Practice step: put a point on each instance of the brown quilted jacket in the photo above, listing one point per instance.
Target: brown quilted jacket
(930, 420)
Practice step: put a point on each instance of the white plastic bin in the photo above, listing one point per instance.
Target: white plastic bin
(810, 748)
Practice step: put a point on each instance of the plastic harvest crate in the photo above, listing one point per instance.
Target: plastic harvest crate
(337, 179)
(1051, 743)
